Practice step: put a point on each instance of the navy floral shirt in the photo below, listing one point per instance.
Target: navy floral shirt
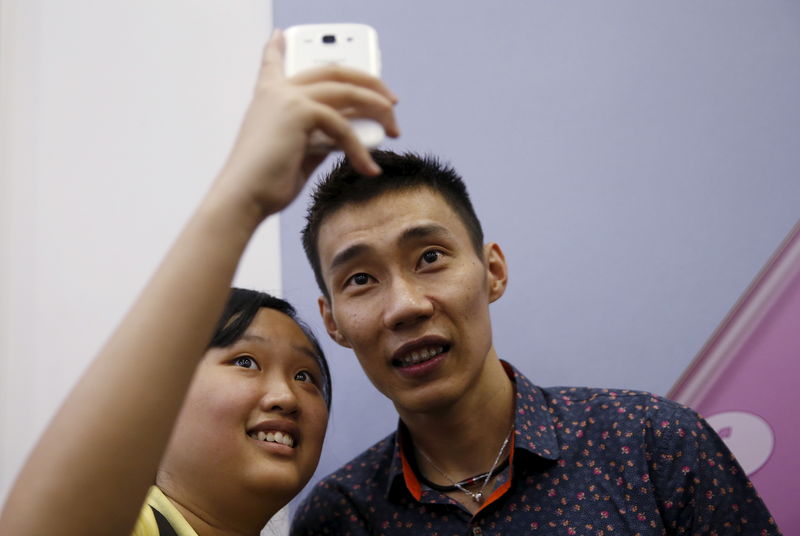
(593, 462)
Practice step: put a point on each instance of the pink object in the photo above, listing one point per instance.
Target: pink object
(744, 381)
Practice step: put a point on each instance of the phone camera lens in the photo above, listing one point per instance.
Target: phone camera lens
(328, 38)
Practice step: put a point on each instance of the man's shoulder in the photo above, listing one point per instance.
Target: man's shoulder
(371, 467)
(578, 394)
(341, 499)
(611, 403)
(582, 398)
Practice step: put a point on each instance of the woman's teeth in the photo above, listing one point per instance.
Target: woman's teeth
(424, 354)
(273, 437)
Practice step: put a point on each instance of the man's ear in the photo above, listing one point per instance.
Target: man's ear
(330, 324)
(496, 270)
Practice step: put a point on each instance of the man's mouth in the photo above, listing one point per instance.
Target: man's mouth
(273, 436)
(420, 355)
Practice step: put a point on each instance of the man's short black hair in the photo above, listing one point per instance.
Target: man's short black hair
(345, 186)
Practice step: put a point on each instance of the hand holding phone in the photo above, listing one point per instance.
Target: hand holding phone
(278, 146)
(351, 45)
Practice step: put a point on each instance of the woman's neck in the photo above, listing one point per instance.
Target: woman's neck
(223, 514)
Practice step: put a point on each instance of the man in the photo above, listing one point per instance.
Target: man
(407, 281)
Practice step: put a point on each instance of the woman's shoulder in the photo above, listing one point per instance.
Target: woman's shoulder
(159, 517)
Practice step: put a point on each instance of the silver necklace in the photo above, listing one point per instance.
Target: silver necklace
(476, 496)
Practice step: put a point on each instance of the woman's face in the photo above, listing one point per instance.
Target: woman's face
(254, 418)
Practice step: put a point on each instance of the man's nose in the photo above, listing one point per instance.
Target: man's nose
(406, 303)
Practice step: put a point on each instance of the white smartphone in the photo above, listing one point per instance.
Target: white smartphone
(351, 45)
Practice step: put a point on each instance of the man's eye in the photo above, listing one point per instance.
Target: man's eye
(431, 256)
(359, 279)
(304, 376)
(245, 362)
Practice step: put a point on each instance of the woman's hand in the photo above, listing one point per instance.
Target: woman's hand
(107, 439)
(274, 153)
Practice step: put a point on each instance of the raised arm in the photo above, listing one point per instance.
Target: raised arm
(93, 465)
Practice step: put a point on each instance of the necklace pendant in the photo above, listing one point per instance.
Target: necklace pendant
(477, 497)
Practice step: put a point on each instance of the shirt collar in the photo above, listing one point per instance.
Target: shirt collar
(534, 432)
(159, 501)
(533, 424)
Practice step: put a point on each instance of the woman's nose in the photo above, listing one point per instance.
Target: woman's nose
(279, 397)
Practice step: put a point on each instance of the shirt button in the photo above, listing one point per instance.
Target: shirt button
(476, 531)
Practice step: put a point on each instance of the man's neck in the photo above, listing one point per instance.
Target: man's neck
(464, 439)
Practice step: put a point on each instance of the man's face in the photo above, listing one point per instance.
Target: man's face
(409, 294)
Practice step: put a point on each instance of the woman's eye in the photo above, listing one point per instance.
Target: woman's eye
(245, 362)
(304, 376)
(359, 279)
(431, 256)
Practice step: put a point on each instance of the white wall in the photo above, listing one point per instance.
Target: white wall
(114, 118)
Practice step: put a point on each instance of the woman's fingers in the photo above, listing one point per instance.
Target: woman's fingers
(339, 73)
(272, 58)
(320, 101)
(336, 127)
(355, 101)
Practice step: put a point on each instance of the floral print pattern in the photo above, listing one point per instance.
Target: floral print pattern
(592, 462)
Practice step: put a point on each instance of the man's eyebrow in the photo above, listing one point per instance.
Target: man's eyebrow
(348, 254)
(409, 235)
(424, 231)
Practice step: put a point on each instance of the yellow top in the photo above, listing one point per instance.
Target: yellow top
(146, 524)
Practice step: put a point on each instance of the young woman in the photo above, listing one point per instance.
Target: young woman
(254, 418)
(207, 425)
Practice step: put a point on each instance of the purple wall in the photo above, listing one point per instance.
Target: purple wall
(744, 378)
(637, 163)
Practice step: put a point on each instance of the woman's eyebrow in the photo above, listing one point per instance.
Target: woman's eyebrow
(307, 351)
(303, 349)
(252, 337)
